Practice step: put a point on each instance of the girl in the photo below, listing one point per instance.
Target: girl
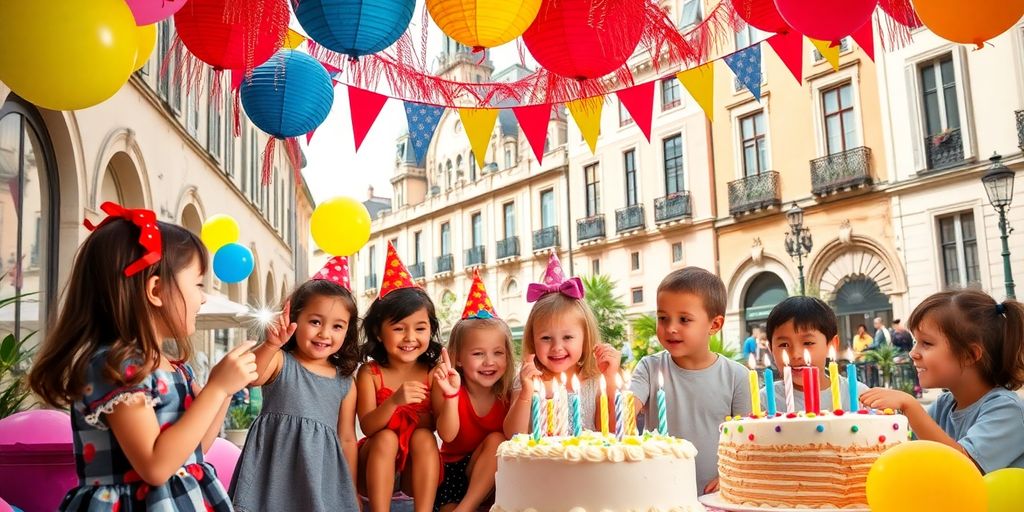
(140, 421)
(974, 347)
(307, 426)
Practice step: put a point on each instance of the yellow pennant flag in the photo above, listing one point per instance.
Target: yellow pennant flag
(587, 114)
(831, 53)
(478, 123)
(293, 39)
(700, 83)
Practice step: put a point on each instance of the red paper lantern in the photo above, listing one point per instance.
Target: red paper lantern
(826, 20)
(761, 14)
(233, 35)
(584, 39)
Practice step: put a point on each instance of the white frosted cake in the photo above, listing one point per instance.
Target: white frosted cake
(592, 473)
(803, 460)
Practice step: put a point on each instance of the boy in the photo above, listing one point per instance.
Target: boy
(795, 325)
(701, 387)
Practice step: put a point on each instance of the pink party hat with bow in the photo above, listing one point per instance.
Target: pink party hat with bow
(555, 282)
(335, 271)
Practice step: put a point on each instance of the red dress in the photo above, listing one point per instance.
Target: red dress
(405, 418)
(472, 428)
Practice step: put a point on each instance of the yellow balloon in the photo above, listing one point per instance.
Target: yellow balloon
(1005, 490)
(483, 23)
(340, 226)
(925, 475)
(218, 231)
(66, 54)
(147, 41)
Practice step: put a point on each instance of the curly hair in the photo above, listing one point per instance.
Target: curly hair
(393, 307)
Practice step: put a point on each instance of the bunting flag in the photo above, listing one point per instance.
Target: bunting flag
(587, 114)
(865, 38)
(829, 52)
(533, 120)
(479, 124)
(639, 102)
(422, 119)
(746, 65)
(309, 136)
(789, 46)
(293, 39)
(700, 83)
(364, 106)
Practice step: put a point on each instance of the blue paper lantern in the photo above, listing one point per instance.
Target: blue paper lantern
(289, 95)
(354, 27)
(233, 263)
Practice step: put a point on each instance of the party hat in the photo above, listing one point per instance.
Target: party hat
(478, 304)
(396, 276)
(555, 282)
(336, 271)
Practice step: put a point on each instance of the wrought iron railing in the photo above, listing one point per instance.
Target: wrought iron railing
(507, 248)
(754, 193)
(370, 282)
(629, 218)
(444, 263)
(589, 228)
(1020, 129)
(545, 237)
(838, 171)
(674, 206)
(416, 270)
(944, 150)
(475, 256)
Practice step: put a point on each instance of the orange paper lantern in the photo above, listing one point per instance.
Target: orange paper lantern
(482, 24)
(971, 22)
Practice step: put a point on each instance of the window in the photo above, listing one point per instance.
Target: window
(213, 126)
(677, 252)
(637, 295)
(673, 148)
(959, 250)
(840, 125)
(245, 155)
(229, 137)
(595, 266)
(754, 144)
(371, 262)
(593, 192)
(625, 118)
(634, 260)
(844, 45)
(446, 239)
(254, 166)
(163, 81)
(629, 164)
(749, 36)
(509, 216)
(669, 93)
(690, 13)
(477, 223)
(417, 252)
(448, 175)
(938, 94)
(547, 208)
(192, 115)
(394, 243)
(508, 158)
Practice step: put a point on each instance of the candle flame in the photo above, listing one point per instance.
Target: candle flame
(575, 384)
(785, 358)
(767, 361)
(807, 357)
(618, 381)
(848, 354)
(604, 386)
(661, 380)
(752, 362)
(832, 352)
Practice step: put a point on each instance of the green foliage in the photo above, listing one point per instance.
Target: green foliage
(718, 346)
(645, 337)
(240, 417)
(885, 358)
(14, 357)
(608, 308)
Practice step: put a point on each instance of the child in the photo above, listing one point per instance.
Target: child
(804, 324)
(974, 347)
(307, 425)
(470, 402)
(701, 387)
(140, 421)
(561, 337)
(401, 332)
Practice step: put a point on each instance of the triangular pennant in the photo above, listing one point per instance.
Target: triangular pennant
(478, 123)
(364, 106)
(293, 39)
(639, 102)
(478, 304)
(336, 271)
(865, 38)
(700, 83)
(396, 276)
(331, 70)
(829, 52)
(789, 46)
(746, 65)
(533, 120)
(587, 114)
(309, 136)
(423, 121)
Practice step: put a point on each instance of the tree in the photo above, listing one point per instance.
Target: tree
(645, 337)
(608, 308)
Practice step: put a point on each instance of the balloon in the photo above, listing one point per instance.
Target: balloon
(218, 231)
(925, 475)
(482, 24)
(148, 12)
(1005, 490)
(147, 41)
(233, 263)
(223, 455)
(233, 35)
(354, 27)
(826, 20)
(761, 14)
(971, 22)
(66, 54)
(340, 226)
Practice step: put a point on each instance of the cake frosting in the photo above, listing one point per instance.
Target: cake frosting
(802, 460)
(595, 473)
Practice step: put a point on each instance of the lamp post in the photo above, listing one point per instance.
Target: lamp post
(798, 241)
(998, 183)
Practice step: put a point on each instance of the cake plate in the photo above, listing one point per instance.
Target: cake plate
(715, 500)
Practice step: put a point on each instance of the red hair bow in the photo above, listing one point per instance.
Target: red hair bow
(149, 233)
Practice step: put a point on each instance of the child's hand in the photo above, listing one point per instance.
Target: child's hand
(711, 487)
(411, 392)
(608, 360)
(445, 375)
(527, 373)
(882, 398)
(280, 331)
(235, 371)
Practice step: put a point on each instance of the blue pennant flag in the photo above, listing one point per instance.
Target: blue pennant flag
(423, 121)
(746, 64)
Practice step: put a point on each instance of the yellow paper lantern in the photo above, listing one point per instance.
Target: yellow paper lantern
(482, 24)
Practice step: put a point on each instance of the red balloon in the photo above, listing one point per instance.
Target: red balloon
(233, 35)
(826, 20)
(761, 14)
(584, 39)
(901, 11)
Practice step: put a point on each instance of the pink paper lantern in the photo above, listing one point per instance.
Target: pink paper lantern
(37, 459)
(223, 455)
(826, 20)
(151, 11)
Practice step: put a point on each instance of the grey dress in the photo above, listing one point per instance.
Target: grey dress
(292, 458)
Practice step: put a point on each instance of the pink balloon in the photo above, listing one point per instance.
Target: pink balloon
(826, 20)
(151, 11)
(224, 457)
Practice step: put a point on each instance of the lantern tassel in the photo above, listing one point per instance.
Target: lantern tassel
(294, 152)
(268, 161)
(237, 111)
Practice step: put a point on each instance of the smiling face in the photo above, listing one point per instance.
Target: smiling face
(683, 324)
(787, 338)
(937, 366)
(407, 338)
(559, 343)
(484, 357)
(322, 325)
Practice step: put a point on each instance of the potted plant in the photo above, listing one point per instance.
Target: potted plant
(239, 420)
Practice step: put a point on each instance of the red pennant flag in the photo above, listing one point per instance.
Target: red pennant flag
(309, 136)
(789, 46)
(865, 38)
(534, 122)
(639, 101)
(365, 107)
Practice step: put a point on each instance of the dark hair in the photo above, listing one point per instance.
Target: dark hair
(103, 308)
(862, 326)
(896, 322)
(972, 317)
(393, 307)
(701, 283)
(347, 358)
(807, 313)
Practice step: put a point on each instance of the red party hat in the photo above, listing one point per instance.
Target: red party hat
(336, 271)
(478, 304)
(396, 276)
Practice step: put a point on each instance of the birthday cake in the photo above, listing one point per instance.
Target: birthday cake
(592, 473)
(799, 460)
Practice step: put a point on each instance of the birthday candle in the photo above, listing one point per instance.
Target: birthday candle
(851, 378)
(620, 425)
(812, 385)
(604, 406)
(769, 386)
(562, 406)
(755, 395)
(662, 412)
(574, 407)
(535, 410)
(787, 382)
(833, 375)
(630, 411)
(551, 412)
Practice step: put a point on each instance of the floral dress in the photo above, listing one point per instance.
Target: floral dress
(106, 479)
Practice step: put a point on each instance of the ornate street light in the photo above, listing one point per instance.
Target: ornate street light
(798, 241)
(998, 183)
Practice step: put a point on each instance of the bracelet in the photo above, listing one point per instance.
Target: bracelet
(453, 395)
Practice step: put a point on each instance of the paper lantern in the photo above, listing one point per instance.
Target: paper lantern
(584, 39)
(483, 24)
(354, 27)
(761, 14)
(147, 12)
(826, 20)
(233, 35)
(288, 95)
(971, 22)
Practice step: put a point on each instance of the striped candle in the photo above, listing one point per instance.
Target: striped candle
(574, 407)
(662, 412)
(620, 425)
(535, 410)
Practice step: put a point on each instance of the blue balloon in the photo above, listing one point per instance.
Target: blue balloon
(289, 95)
(354, 27)
(233, 263)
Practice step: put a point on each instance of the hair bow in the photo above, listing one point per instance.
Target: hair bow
(571, 287)
(149, 233)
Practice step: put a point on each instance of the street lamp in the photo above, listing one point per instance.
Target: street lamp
(998, 183)
(798, 240)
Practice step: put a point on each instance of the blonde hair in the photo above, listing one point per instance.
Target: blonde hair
(556, 305)
(460, 335)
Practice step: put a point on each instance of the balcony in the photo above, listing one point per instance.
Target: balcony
(417, 270)
(507, 248)
(673, 207)
(944, 150)
(629, 218)
(1020, 129)
(545, 238)
(444, 264)
(753, 193)
(590, 228)
(475, 256)
(370, 282)
(849, 169)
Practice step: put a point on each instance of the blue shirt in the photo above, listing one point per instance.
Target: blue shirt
(991, 430)
(749, 347)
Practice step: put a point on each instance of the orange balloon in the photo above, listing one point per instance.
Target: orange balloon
(969, 22)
